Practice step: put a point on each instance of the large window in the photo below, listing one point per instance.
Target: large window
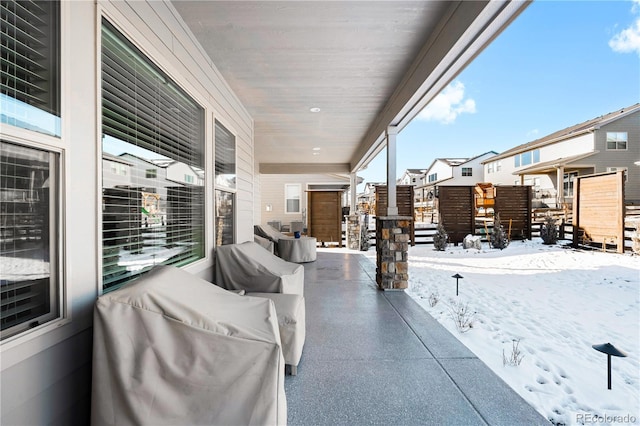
(292, 194)
(568, 183)
(148, 122)
(225, 183)
(30, 72)
(432, 177)
(526, 158)
(28, 237)
(616, 141)
(467, 171)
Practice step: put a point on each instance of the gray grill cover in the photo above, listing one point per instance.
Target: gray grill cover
(170, 348)
(248, 266)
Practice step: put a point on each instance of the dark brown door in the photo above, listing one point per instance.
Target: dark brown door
(325, 216)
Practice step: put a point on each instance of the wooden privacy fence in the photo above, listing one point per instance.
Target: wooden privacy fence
(599, 210)
(458, 216)
(404, 201)
(514, 205)
(457, 211)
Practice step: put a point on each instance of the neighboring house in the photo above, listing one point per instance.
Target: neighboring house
(284, 196)
(411, 177)
(367, 198)
(450, 172)
(550, 164)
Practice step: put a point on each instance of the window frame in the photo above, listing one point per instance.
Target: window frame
(225, 189)
(616, 141)
(52, 143)
(286, 199)
(198, 212)
(467, 171)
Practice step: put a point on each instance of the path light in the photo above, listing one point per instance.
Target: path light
(457, 277)
(609, 349)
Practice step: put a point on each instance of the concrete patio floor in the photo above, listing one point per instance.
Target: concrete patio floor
(374, 357)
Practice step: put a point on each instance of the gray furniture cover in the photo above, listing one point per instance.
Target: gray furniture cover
(170, 348)
(298, 250)
(248, 266)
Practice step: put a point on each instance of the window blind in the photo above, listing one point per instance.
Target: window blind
(148, 122)
(28, 241)
(29, 76)
(225, 157)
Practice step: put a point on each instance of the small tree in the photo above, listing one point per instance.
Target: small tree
(549, 231)
(499, 238)
(440, 238)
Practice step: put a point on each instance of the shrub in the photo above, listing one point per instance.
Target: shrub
(434, 298)
(499, 238)
(515, 357)
(440, 238)
(462, 316)
(549, 231)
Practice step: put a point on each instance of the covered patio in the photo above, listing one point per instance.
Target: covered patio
(375, 357)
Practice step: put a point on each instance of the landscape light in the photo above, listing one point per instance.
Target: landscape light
(610, 350)
(457, 277)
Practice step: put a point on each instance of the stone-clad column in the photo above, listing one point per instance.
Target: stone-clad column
(392, 252)
(353, 231)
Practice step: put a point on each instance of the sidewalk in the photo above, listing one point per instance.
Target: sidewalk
(374, 357)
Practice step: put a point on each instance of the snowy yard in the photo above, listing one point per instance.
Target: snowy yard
(555, 303)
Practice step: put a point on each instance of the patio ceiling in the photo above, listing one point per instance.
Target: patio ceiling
(366, 64)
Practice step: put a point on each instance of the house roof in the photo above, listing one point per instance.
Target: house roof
(552, 165)
(569, 132)
(367, 66)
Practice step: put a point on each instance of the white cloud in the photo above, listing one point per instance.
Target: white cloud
(450, 103)
(628, 40)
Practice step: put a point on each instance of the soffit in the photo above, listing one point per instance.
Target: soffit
(354, 60)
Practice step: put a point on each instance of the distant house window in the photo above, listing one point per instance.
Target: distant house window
(433, 177)
(151, 173)
(467, 171)
(498, 166)
(292, 193)
(568, 181)
(526, 158)
(490, 167)
(188, 179)
(616, 141)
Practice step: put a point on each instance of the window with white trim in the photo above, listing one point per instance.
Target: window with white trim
(467, 171)
(292, 195)
(225, 185)
(148, 121)
(30, 276)
(432, 177)
(568, 183)
(30, 72)
(616, 141)
(28, 237)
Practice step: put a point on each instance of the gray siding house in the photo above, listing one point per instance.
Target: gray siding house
(550, 164)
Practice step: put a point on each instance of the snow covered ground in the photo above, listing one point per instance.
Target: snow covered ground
(555, 303)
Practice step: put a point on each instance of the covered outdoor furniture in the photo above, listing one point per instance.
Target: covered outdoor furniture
(248, 266)
(265, 243)
(291, 249)
(171, 348)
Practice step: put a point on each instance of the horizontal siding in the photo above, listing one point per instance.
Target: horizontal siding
(47, 379)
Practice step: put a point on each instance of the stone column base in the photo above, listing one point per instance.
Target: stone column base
(392, 252)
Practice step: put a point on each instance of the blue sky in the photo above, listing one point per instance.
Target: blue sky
(559, 63)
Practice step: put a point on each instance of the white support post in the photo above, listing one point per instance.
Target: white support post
(560, 186)
(353, 205)
(392, 207)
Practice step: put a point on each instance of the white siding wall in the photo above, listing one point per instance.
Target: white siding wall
(582, 144)
(46, 374)
(442, 169)
(272, 192)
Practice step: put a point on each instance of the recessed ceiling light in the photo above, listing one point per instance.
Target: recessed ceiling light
(317, 148)
(316, 153)
(314, 109)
